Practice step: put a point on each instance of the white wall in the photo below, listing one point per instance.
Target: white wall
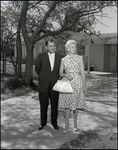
(38, 48)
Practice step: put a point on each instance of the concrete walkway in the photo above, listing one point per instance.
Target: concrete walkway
(20, 117)
(19, 122)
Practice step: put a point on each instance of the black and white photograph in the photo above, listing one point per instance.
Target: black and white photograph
(59, 74)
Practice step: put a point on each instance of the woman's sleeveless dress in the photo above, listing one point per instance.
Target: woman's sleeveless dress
(75, 100)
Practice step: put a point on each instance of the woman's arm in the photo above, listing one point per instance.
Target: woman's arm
(61, 72)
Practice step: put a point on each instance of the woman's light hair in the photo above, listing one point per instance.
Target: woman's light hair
(67, 45)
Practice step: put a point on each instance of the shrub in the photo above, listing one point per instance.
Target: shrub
(13, 83)
(83, 138)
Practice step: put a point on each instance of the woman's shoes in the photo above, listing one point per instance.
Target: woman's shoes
(75, 129)
(65, 131)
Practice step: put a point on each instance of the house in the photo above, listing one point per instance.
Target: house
(100, 53)
(103, 53)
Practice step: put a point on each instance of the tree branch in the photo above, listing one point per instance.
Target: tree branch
(7, 30)
(33, 5)
(90, 32)
(93, 11)
(44, 20)
(99, 7)
(101, 22)
(67, 24)
(49, 33)
(52, 33)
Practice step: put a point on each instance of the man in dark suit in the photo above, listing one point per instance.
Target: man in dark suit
(47, 67)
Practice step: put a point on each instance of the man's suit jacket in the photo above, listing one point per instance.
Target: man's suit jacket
(43, 70)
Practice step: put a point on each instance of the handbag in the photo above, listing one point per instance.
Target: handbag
(63, 87)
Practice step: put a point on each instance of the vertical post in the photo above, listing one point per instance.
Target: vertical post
(88, 70)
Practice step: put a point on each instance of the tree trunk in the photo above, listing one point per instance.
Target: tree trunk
(4, 63)
(4, 56)
(19, 55)
(15, 72)
(29, 64)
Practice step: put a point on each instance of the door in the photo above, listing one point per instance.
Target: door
(107, 53)
(113, 58)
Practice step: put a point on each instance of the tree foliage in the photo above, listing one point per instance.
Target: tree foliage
(67, 15)
(41, 19)
(11, 33)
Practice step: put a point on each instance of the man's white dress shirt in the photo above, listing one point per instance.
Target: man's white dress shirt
(51, 58)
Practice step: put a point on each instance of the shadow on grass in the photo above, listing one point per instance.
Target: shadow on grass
(102, 117)
(110, 74)
(110, 103)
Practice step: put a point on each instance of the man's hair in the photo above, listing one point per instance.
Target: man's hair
(49, 40)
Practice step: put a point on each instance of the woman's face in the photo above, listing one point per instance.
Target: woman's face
(73, 48)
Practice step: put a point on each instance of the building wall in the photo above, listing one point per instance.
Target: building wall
(61, 49)
(86, 57)
(110, 58)
(97, 56)
(37, 49)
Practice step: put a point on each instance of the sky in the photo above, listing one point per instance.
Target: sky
(110, 23)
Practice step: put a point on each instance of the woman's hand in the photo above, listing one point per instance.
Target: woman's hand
(84, 89)
(69, 77)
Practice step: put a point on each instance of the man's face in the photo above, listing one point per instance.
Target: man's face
(51, 47)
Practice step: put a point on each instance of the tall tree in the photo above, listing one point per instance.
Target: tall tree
(41, 19)
(69, 15)
(12, 32)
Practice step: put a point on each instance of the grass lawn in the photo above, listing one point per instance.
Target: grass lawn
(101, 103)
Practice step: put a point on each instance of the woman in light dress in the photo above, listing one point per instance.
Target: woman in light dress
(72, 69)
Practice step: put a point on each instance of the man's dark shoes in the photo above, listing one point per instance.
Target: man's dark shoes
(40, 127)
(56, 127)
